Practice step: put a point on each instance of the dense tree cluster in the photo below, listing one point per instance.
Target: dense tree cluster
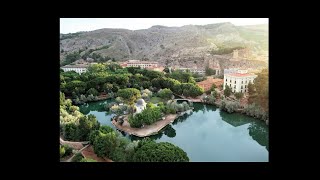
(109, 143)
(150, 151)
(181, 76)
(73, 124)
(148, 116)
(165, 93)
(259, 90)
(224, 50)
(178, 107)
(229, 106)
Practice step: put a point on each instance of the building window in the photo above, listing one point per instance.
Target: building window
(241, 87)
(245, 86)
(230, 80)
(245, 90)
(235, 82)
(226, 80)
(241, 90)
(241, 82)
(234, 86)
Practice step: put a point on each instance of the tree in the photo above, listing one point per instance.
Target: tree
(154, 74)
(70, 132)
(261, 87)
(150, 151)
(238, 95)
(95, 68)
(93, 91)
(86, 125)
(251, 90)
(129, 95)
(210, 71)
(70, 58)
(107, 87)
(183, 77)
(227, 91)
(189, 89)
(104, 144)
(148, 116)
(165, 93)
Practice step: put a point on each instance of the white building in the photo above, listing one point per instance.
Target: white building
(77, 68)
(193, 70)
(140, 106)
(138, 63)
(239, 81)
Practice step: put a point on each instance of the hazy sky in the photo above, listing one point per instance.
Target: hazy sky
(71, 25)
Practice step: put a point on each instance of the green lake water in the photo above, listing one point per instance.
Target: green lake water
(207, 134)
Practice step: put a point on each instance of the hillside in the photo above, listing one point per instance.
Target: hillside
(191, 44)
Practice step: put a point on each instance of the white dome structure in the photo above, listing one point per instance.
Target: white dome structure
(140, 105)
(141, 102)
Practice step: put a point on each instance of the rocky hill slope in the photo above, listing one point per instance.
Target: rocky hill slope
(167, 45)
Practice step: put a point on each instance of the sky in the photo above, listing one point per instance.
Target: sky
(72, 25)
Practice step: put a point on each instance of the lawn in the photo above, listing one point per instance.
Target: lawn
(156, 100)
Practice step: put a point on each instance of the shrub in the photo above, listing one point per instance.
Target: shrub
(165, 93)
(62, 151)
(93, 91)
(87, 160)
(256, 111)
(77, 158)
(68, 150)
(119, 100)
(229, 106)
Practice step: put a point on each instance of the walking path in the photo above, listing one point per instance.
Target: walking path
(147, 130)
(89, 153)
(74, 145)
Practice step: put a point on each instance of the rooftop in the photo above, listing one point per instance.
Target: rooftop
(240, 74)
(138, 61)
(76, 66)
(210, 80)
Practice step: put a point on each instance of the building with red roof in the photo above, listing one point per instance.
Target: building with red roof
(238, 81)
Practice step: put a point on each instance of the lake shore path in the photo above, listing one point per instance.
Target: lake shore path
(146, 130)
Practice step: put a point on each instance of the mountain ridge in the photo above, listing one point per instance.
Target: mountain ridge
(167, 45)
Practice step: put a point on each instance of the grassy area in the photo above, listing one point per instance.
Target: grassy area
(156, 100)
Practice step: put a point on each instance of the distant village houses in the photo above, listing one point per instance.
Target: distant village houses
(79, 68)
(200, 71)
(150, 65)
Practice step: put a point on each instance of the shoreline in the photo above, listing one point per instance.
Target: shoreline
(146, 130)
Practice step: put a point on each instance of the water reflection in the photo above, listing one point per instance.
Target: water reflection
(257, 129)
(170, 131)
(259, 133)
(235, 119)
(94, 106)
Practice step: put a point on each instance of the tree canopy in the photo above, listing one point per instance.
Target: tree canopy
(150, 151)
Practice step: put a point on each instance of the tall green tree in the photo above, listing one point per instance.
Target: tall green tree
(210, 71)
(227, 91)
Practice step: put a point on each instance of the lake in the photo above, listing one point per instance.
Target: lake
(207, 134)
